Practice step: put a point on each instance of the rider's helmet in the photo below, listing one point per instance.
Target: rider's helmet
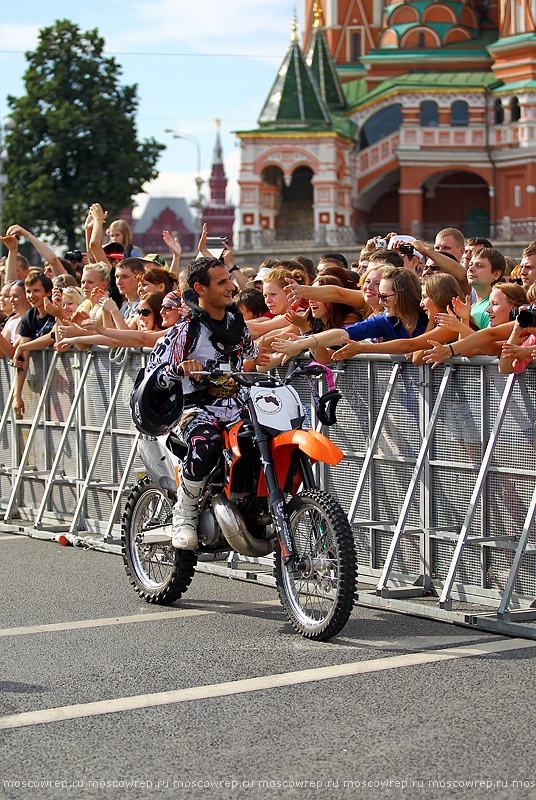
(156, 401)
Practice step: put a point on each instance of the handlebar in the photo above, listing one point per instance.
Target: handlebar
(248, 379)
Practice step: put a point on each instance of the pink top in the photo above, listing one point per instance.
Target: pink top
(520, 366)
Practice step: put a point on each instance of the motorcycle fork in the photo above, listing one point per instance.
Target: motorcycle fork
(276, 498)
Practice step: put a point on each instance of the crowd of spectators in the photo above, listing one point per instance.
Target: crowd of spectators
(403, 296)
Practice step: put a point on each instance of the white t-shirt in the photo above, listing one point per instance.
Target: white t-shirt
(11, 328)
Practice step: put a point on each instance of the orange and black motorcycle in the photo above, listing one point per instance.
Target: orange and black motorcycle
(261, 498)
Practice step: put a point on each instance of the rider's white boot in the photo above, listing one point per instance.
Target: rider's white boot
(185, 514)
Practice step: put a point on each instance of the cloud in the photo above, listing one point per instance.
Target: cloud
(19, 37)
(182, 184)
(211, 25)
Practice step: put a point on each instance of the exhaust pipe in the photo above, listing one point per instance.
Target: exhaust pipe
(234, 529)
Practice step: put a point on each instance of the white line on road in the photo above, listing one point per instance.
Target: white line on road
(255, 684)
(156, 615)
(20, 536)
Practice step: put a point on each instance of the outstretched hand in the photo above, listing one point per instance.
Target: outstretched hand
(11, 242)
(294, 291)
(436, 354)
(172, 243)
(462, 309)
(349, 350)
(202, 246)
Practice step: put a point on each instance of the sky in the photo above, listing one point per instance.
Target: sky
(194, 62)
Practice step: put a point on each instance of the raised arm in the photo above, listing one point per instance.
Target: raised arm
(448, 265)
(396, 346)
(175, 248)
(236, 274)
(43, 249)
(123, 338)
(95, 240)
(331, 294)
(292, 345)
(12, 244)
(482, 342)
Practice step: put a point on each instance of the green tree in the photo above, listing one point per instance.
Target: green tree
(75, 139)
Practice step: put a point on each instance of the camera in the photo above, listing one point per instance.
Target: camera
(74, 255)
(526, 316)
(381, 242)
(406, 250)
(216, 245)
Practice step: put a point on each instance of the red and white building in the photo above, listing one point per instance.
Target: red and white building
(409, 116)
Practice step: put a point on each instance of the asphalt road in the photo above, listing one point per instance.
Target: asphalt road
(231, 702)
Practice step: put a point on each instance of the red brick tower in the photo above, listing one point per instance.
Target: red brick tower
(218, 216)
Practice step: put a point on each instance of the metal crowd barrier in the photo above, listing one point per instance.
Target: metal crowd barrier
(438, 479)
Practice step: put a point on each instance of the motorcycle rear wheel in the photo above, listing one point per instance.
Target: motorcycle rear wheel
(158, 572)
(318, 598)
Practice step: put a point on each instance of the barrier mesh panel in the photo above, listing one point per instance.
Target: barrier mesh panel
(457, 434)
(391, 481)
(469, 568)
(407, 559)
(464, 424)
(450, 496)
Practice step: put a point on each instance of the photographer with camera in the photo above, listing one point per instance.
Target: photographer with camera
(408, 251)
(223, 253)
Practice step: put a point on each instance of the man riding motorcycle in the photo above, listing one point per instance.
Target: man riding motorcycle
(214, 333)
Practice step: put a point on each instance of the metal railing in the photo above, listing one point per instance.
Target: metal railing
(438, 480)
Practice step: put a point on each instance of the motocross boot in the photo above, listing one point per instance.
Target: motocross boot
(185, 514)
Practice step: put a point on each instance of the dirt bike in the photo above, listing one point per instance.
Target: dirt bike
(260, 498)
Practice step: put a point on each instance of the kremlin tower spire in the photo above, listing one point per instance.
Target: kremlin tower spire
(218, 216)
(217, 181)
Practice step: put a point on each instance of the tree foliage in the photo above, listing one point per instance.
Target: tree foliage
(75, 139)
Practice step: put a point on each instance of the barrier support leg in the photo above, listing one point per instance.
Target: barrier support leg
(373, 442)
(24, 460)
(445, 601)
(96, 452)
(423, 580)
(61, 445)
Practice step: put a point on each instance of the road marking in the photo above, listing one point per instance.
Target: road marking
(255, 684)
(14, 536)
(155, 615)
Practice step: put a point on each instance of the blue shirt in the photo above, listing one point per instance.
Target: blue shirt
(387, 328)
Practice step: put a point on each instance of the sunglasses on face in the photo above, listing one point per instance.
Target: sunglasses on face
(144, 312)
(168, 308)
(384, 297)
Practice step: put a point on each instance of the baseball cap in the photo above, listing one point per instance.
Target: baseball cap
(114, 251)
(155, 258)
(260, 276)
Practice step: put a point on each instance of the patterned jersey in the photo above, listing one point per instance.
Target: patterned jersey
(191, 339)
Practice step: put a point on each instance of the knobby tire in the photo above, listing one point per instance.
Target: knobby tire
(158, 572)
(319, 599)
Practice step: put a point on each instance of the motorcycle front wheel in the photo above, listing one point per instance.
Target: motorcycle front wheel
(318, 596)
(158, 572)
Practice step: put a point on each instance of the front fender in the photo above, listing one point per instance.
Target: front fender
(314, 444)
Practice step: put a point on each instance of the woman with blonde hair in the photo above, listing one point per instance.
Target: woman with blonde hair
(94, 285)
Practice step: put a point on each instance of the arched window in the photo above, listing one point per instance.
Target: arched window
(515, 110)
(459, 113)
(381, 124)
(428, 113)
(498, 112)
